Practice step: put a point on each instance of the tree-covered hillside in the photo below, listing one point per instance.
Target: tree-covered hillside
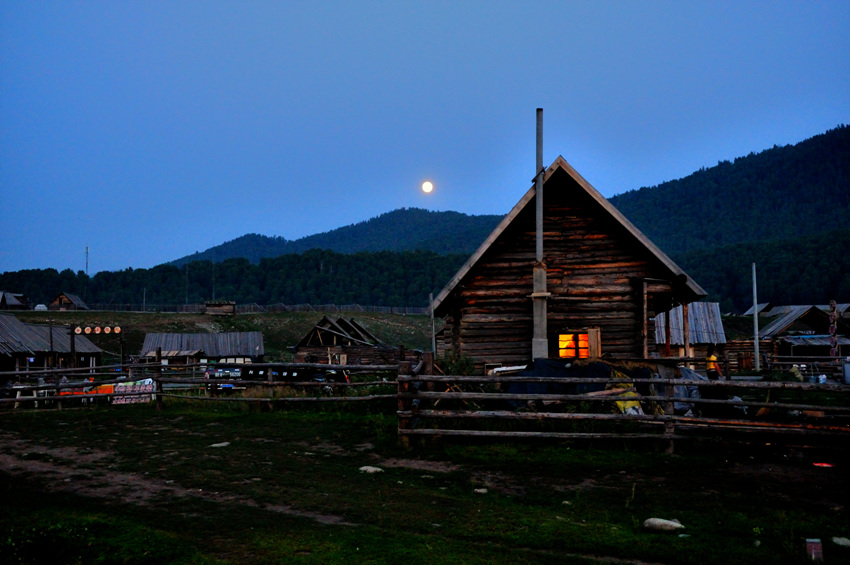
(786, 208)
(406, 229)
(385, 278)
(806, 270)
(783, 193)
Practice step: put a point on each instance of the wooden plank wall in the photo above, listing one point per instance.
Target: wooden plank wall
(592, 266)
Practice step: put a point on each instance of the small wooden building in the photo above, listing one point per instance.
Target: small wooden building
(605, 279)
(13, 301)
(41, 346)
(705, 328)
(345, 342)
(226, 347)
(67, 301)
(220, 308)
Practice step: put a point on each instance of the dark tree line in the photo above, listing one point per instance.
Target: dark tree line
(808, 270)
(384, 278)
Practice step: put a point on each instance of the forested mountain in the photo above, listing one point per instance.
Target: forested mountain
(781, 193)
(406, 229)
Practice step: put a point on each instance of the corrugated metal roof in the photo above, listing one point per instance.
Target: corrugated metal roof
(813, 340)
(705, 325)
(62, 339)
(760, 308)
(13, 300)
(226, 344)
(18, 337)
(14, 335)
(782, 323)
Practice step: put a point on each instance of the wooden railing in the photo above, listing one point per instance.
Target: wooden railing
(484, 406)
(269, 383)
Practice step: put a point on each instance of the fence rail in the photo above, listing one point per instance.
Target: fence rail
(281, 383)
(666, 407)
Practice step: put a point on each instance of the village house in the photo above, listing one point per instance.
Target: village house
(605, 282)
(67, 301)
(225, 347)
(13, 301)
(25, 347)
(791, 334)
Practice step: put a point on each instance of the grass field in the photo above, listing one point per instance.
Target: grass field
(219, 483)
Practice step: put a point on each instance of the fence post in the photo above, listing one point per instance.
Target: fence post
(404, 405)
(669, 406)
(158, 377)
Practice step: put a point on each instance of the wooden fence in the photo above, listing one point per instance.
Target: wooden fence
(268, 384)
(476, 406)
(661, 408)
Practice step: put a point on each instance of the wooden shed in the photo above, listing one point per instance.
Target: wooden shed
(220, 308)
(13, 301)
(704, 326)
(67, 301)
(40, 346)
(605, 281)
(345, 342)
(225, 347)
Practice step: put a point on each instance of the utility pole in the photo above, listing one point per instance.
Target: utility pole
(756, 323)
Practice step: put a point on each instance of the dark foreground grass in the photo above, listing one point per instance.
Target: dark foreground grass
(233, 486)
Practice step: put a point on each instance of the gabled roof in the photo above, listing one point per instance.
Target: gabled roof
(794, 314)
(705, 325)
(561, 164)
(762, 308)
(13, 300)
(18, 337)
(73, 299)
(339, 332)
(227, 344)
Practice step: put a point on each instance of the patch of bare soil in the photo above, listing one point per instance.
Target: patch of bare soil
(88, 473)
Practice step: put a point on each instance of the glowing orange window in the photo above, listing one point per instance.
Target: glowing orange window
(574, 345)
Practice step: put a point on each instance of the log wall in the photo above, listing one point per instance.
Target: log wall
(596, 271)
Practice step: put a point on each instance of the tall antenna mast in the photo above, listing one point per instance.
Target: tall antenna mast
(86, 289)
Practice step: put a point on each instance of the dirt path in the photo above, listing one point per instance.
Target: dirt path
(71, 470)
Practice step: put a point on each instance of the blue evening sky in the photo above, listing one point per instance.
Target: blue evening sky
(150, 130)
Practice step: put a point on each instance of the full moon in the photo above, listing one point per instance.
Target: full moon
(427, 186)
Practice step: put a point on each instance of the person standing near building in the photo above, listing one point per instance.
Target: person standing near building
(712, 367)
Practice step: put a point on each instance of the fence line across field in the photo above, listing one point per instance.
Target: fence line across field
(438, 405)
(260, 308)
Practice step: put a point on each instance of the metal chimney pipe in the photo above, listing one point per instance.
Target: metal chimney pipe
(539, 295)
(538, 184)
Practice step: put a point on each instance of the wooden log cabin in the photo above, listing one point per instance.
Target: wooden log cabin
(605, 279)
